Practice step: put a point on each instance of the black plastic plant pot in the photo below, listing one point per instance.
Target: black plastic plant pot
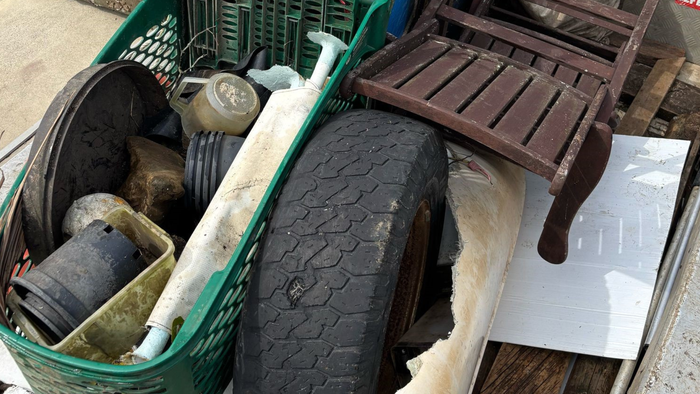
(77, 279)
(209, 157)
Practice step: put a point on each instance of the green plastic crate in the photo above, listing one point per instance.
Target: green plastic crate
(200, 359)
(282, 26)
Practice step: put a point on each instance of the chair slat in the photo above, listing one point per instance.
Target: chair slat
(523, 41)
(429, 81)
(525, 113)
(463, 88)
(494, 99)
(550, 137)
(409, 65)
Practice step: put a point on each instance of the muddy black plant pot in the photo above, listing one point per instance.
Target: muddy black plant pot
(209, 157)
(77, 279)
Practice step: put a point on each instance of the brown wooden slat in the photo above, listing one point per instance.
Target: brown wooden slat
(551, 40)
(565, 9)
(386, 56)
(523, 41)
(523, 115)
(644, 107)
(544, 65)
(429, 81)
(582, 41)
(462, 89)
(552, 134)
(526, 370)
(494, 99)
(566, 75)
(523, 57)
(625, 59)
(588, 85)
(651, 50)
(592, 375)
(429, 11)
(516, 152)
(606, 11)
(412, 63)
(683, 98)
(508, 61)
(481, 40)
(502, 48)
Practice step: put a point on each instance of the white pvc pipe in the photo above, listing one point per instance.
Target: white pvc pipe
(152, 346)
(675, 252)
(331, 47)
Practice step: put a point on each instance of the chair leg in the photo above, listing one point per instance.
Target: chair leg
(586, 172)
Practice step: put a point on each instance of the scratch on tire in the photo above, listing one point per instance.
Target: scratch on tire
(295, 291)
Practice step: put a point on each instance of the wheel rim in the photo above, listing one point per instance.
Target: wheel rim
(406, 295)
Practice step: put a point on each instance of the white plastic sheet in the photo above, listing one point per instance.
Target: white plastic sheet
(597, 301)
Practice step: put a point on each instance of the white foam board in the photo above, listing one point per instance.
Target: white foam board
(597, 301)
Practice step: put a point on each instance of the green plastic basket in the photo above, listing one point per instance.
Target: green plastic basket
(282, 26)
(200, 359)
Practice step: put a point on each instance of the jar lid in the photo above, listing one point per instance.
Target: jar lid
(233, 97)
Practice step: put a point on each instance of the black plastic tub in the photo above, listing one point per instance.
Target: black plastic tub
(77, 279)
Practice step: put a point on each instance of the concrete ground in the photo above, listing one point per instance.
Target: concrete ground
(43, 43)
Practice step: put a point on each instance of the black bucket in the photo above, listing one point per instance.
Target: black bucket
(77, 279)
(209, 157)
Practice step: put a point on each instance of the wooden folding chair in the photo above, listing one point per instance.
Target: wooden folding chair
(540, 97)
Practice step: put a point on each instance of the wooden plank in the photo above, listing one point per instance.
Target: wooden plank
(566, 75)
(651, 50)
(592, 375)
(526, 370)
(682, 98)
(555, 129)
(502, 48)
(651, 95)
(431, 79)
(588, 85)
(690, 74)
(545, 65)
(525, 113)
(481, 40)
(523, 41)
(463, 88)
(523, 57)
(494, 99)
(564, 9)
(409, 65)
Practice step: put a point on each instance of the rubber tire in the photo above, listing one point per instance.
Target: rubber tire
(318, 302)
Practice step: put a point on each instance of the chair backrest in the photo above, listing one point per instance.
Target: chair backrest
(586, 57)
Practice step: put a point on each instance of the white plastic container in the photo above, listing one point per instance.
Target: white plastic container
(226, 103)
